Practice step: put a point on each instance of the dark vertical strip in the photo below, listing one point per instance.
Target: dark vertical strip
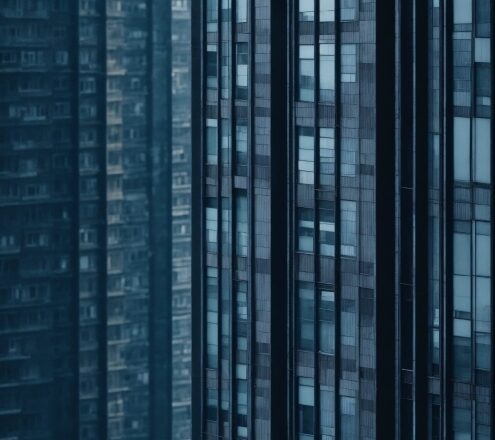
(278, 246)
(338, 228)
(291, 50)
(159, 192)
(385, 218)
(421, 217)
(103, 212)
(448, 189)
(196, 205)
(492, 219)
(75, 216)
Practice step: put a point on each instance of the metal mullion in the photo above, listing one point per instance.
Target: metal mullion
(251, 258)
(447, 17)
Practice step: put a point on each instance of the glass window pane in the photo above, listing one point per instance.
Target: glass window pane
(306, 72)
(305, 160)
(241, 11)
(306, 10)
(327, 10)
(327, 72)
(462, 11)
(461, 148)
(482, 145)
(305, 230)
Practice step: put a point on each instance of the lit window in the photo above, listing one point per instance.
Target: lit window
(306, 155)
(242, 71)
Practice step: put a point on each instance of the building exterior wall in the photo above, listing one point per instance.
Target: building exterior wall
(377, 140)
(181, 222)
(85, 202)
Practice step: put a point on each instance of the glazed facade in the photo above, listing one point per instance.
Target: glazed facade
(346, 154)
(84, 200)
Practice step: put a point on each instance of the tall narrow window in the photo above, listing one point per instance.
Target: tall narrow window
(327, 156)
(327, 322)
(306, 72)
(212, 317)
(241, 222)
(241, 148)
(305, 230)
(226, 142)
(306, 10)
(327, 229)
(242, 71)
(225, 69)
(482, 150)
(348, 417)
(226, 226)
(211, 15)
(483, 18)
(327, 10)
(211, 224)
(348, 228)
(306, 407)
(211, 66)
(305, 310)
(306, 155)
(327, 72)
(348, 157)
(348, 63)
(461, 139)
(241, 11)
(226, 6)
(211, 142)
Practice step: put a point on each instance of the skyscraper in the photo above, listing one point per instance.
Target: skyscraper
(84, 223)
(181, 221)
(343, 219)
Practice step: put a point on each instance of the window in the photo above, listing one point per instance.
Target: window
(306, 407)
(241, 11)
(483, 18)
(241, 221)
(348, 156)
(461, 148)
(211, 15)
(306, 155)
(327, 411)
(327, 72)
(211, 142)
(305, 310)
(483, 83)
(462, 349)
(211, 225)
(327, 322)
(306, 10)
(327, 156)
(241, 149)
(242, 71)
(327, 10)
(306, 72)
(327, 229)
(348, 210)
(348, 417)
(482, 150)
(305, 232)
(211, 66)
(462, 11)
(348, 63)
(212, 317)
(226, 140)
(348, 10)
(225, 69)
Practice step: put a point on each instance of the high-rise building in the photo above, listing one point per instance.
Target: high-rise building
(343, 220)
(181, 219)
(84, 219)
